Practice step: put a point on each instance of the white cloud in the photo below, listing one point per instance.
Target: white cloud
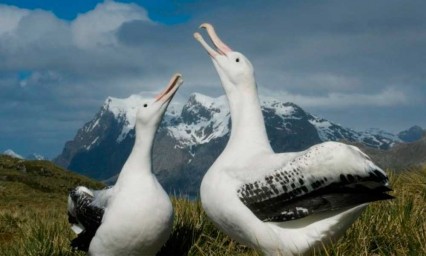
(84, 49)
(97, 27)
(10, 17)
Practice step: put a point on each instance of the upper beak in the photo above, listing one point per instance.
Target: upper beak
(222, 48)
(171, 88)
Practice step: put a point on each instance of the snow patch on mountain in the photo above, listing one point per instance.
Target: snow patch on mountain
(285, 111)
(125, 111)
(35, 156)
(384, 134)
(92, 143)
(93, 126)
(375, 138)
(212, 120)
(324, 128)
(10, 152)
(204, 118)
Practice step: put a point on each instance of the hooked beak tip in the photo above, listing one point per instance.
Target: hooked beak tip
(174, 83)
(205, 25)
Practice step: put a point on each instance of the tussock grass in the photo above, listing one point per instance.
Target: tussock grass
(33, 219)
(396, 227)
(35, 232)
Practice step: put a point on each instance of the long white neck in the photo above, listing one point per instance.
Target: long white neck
(139, 160)
(248, 134)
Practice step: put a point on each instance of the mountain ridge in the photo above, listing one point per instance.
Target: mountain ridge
(192, 136)
(33, 156)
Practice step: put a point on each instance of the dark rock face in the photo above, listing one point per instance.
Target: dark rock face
(412, 134)
(290, 134)
(96, 130)
(194, 109)
(187, 144)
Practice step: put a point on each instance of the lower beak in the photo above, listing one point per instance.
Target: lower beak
(171, 88)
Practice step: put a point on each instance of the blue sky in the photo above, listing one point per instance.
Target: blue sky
(357, 63)
(164, 11)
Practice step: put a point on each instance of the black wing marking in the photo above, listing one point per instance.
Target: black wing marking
(85, 214)
(289, 195)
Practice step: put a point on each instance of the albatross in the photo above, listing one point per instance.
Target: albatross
(135, 216)
(280, 203)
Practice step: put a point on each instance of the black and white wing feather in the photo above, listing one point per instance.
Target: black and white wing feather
(326, 177)
(85, 213)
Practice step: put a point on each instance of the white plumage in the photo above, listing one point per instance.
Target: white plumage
(135, 216)
(282, 204)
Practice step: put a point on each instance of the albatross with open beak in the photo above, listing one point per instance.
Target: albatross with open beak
(287, 203)
(135, 216)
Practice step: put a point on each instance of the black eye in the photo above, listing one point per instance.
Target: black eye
(145, 105)
(237, 59)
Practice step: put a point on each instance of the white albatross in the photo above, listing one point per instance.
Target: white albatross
(281, 204)
(135, 216)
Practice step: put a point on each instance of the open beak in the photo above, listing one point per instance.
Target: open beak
(171, 88)
(221, 48)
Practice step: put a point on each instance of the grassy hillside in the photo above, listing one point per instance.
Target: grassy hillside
(33, 218)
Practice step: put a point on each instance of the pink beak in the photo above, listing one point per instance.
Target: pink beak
(222, 48)
(171, 88)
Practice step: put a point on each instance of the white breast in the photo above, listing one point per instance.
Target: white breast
(138, 220)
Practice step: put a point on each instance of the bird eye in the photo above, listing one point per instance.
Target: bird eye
(237, 59)
(145, 105)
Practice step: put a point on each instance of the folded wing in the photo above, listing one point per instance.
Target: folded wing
(85, 213)
(324, 178)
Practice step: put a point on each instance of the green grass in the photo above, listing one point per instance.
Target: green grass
(33, 219)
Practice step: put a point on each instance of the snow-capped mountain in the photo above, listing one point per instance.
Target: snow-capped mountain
(384, 134)
(33, 156)
(202, 119)
(191, 137)
(329, 131)
(10, 152)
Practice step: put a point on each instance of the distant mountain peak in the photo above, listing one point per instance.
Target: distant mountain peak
(382, 133)
(125, 109)
(283, 109)
(33, 156)
(208, 101)
(412, 134)
(10, 152)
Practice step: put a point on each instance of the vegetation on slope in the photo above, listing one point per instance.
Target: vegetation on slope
(33, 215)
(33, 219)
